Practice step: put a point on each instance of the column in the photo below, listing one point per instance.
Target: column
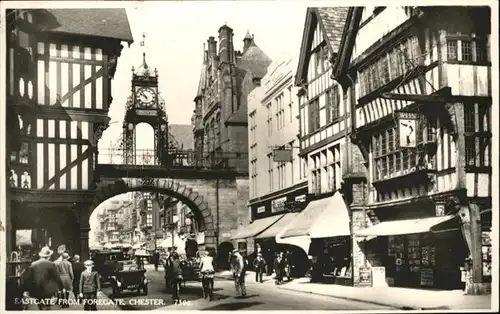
(84, 228)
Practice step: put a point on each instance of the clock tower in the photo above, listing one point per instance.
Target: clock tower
(145, 105)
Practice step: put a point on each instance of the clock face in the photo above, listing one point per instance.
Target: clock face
(146, 97)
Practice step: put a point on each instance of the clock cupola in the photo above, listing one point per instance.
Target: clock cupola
(144, 105)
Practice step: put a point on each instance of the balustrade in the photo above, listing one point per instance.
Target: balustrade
(174, 158)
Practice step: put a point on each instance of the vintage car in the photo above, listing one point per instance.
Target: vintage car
(131, 277)
(107, 263)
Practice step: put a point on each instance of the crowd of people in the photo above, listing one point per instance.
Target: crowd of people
(60, 282)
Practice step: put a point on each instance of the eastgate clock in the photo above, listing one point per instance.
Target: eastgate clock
(146, 97)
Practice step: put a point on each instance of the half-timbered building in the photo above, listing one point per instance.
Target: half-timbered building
(419, 84)
(60, 66)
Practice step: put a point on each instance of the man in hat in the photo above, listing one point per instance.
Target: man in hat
(65, 270)
(90, 286)
(238, 269)
(259, 265)
(42, 281)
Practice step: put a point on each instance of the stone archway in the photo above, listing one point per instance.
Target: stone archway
(107, 189)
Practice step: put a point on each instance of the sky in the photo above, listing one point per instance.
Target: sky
(175, 34)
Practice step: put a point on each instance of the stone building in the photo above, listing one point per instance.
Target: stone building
(418, 82)
(220, 116)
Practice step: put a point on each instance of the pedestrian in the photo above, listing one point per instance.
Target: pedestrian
(279, 268)
(156, 259)
(207, 271)
(65, 270)
(288, 265)
(259, 265)
(78, 268)
(90, 286)
(42, 281)
(238, 270)
(175, 276)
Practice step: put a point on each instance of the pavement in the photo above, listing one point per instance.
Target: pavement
(394, 297)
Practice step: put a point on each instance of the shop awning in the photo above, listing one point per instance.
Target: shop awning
(256, 227)
(334, 222)
(400, 227)
(281, 224)
(322, 218)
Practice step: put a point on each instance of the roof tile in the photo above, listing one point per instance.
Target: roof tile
(333, 20)
(106, 23)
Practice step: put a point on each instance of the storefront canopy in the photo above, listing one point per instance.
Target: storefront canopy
(281, 224)
(400, 227)
(256, 227)
(324, 218)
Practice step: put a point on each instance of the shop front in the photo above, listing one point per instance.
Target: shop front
(417, 253)
(322, 230)
(282, 204)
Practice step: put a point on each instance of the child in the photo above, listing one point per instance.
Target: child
(90, 286)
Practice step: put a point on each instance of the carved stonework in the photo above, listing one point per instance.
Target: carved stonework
(452, 114)
(98, 131)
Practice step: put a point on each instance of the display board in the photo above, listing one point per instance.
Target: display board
(365, 277)
(413, 253)
(427, 277)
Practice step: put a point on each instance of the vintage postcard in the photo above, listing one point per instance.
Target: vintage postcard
(249, 155)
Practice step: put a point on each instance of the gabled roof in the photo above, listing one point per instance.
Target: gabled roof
(332, 21)
(105, 23)
(351, 28)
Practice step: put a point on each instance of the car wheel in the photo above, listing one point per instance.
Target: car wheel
(145, 289)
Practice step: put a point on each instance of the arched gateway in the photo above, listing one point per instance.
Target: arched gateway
(215, 201)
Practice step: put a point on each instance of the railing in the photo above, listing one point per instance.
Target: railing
(173, 158)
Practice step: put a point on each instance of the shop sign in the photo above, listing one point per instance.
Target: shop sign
(365, 277)
(300, 198)
(407, 125)
(261, 209)
(278, 204)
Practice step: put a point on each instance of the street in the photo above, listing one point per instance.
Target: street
(264, 296)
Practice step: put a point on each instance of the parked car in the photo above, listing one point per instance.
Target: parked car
(107, 263)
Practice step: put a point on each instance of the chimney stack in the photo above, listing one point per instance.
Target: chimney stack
(225, 43)
(212, 47)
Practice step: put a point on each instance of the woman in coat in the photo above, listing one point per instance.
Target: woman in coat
(65, 270)
(279, 266)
